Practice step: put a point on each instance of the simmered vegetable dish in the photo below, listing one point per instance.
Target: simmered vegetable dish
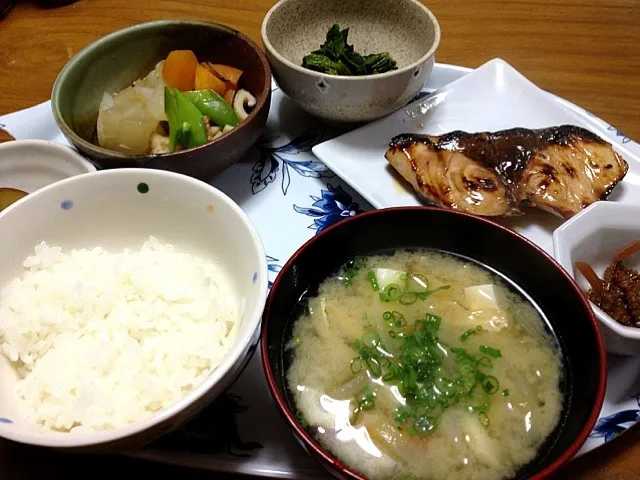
(182, 103)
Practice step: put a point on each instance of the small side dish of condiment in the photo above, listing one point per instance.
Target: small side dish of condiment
(337, 57)
(618, 292)
(182, 103)
(9, 196)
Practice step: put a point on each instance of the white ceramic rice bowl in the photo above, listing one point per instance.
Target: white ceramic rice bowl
(107, 209)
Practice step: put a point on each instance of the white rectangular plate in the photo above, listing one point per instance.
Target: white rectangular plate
(493, 97)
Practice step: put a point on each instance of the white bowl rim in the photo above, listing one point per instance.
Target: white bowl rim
(84, 165)
(559, 249)
(75, 440)
(271, 49)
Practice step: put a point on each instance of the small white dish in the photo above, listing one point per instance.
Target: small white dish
(28, 165)
(493, 97)
(117, 209)
(594, 236)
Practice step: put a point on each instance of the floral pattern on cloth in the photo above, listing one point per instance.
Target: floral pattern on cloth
(279, 159)
(613, 425)
(333, 204)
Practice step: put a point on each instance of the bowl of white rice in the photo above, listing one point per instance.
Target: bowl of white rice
(129, 300)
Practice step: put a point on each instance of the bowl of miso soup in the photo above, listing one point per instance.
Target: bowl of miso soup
(422, 343)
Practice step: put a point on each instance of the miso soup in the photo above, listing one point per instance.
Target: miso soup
(422, 365)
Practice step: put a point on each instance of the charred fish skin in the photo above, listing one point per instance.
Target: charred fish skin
(508, 151)
(451, 179)
(558, 169)
(565, 179)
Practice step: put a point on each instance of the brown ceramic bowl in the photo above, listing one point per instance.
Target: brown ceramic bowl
(113, 62)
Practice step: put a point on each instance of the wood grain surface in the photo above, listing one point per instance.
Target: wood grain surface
(587, 51)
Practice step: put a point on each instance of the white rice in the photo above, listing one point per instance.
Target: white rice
(102, 340)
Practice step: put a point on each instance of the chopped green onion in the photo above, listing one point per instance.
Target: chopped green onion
(374, 367)
(418, 370)
(467, 334)
(370, 339)
(400, 414)
(394, 319)
(466, 384)
(466, 369)
(424, 295)
(480, 407)
(485, 362)
(359, 262)
(351, 270)
(461, 355)
(492, 352)
(301, 419)
(505, 392)
(408, 298)
(297, 340)
(373, 281)
(393, 292)
(490, 385)
(366, 399)
(432, 321)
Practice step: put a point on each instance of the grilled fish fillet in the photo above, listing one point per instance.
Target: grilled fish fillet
(558, 169)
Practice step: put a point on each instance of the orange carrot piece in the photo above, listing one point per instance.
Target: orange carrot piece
(179, 69)
(229, 95)
(227, 73)
(590, 275)
(205, 80)
(207, 65)
(626, 251)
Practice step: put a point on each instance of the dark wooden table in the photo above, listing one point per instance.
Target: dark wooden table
(587, 51)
